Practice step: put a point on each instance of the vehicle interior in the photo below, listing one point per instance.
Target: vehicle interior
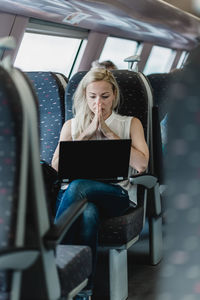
(46, 47)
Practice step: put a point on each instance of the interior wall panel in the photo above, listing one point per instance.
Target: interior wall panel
(93, 49)
(12, 25)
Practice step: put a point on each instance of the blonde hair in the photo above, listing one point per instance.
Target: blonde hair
(83, 114)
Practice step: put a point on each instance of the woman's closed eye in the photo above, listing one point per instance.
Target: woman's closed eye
(105, 97)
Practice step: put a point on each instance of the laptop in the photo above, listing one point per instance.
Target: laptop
(102, 160)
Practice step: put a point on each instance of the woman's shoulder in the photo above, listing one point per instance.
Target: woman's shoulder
(66, 130)
(136, 120)
(136, 123)
(68, 122)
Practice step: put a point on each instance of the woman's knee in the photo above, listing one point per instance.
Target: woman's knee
(77, 186)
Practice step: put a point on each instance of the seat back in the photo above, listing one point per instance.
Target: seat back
(50, 93)
(62, 79)
(183, 196)
(160, 84)
(136, 100)
(135, 96)
(70, 90)
(13, 182)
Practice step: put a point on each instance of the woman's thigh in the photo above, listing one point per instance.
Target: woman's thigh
(111, 200)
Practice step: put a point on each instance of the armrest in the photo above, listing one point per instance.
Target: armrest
(150, 181)
(146, 179)
(17, 258)
(57, 231)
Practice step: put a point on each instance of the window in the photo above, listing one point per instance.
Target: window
(182, 59)
(42, 52)
(160, 60)
(78, 58)
(116, 50)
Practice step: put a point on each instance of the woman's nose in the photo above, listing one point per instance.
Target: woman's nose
(98, 100)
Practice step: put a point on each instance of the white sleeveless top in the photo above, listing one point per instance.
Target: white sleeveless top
(120, 125)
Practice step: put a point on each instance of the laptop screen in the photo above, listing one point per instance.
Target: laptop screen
(104, 160)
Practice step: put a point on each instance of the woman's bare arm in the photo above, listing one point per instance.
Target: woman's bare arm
(139, 150)
(65, 135)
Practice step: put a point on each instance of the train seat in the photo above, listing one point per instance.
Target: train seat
(160, 84)
(50, 90)
(118, 234)
(50, 93)
(61, 78)
(73, 262)
(15, 255)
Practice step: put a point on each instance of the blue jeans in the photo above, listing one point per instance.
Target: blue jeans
(104, 201)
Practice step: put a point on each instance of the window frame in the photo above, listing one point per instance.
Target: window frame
(138, 47)
(36, 26)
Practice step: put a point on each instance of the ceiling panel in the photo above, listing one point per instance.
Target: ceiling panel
(149, 20)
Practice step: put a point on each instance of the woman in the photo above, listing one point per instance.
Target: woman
(95, 100)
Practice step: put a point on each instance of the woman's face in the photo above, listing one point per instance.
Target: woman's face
(100, 92)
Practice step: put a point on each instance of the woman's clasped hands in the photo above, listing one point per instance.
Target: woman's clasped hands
(98, 123)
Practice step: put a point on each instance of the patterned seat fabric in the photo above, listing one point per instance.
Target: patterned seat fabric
(10, 158)
(120, 230)
(50, 93)
(160, 83)
(70, 90)
(50, 96)
(74, 265)
(133, 96)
